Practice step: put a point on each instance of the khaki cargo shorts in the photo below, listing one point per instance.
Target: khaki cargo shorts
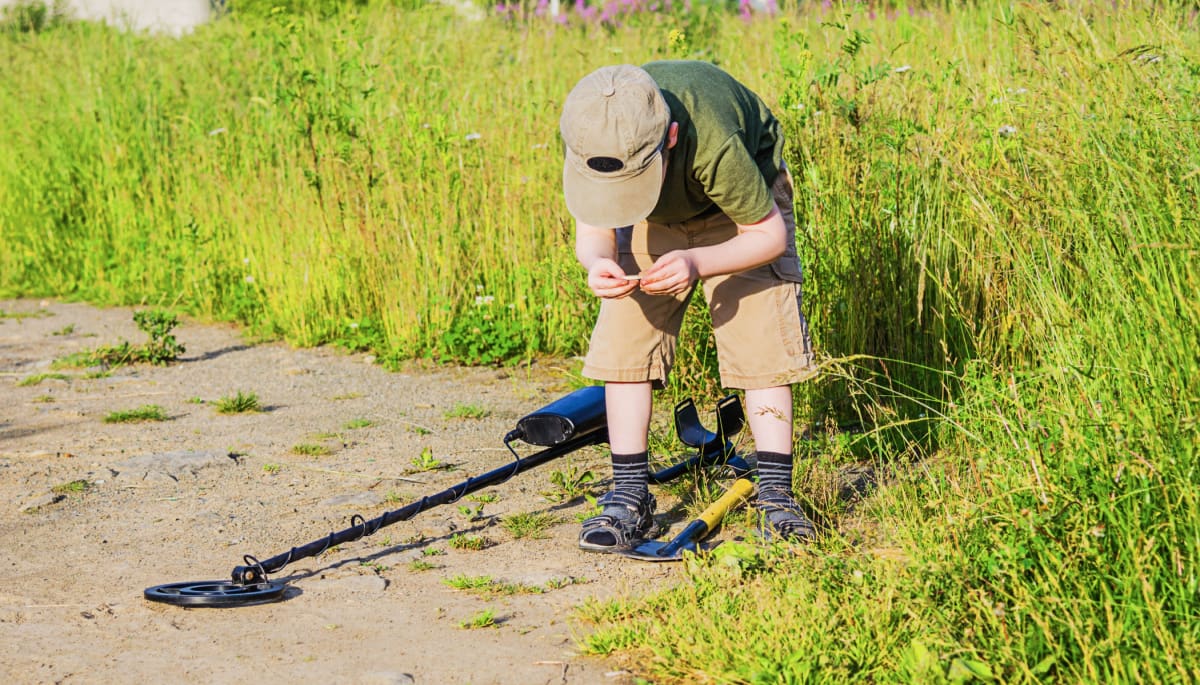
(758, 323)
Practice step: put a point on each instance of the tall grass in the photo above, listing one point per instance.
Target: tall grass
(998, 218)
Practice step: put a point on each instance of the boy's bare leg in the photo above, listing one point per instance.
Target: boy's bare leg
(769, 412)
(629, 406)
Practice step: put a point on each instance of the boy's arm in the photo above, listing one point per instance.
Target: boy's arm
(754, 245)
(596, 250)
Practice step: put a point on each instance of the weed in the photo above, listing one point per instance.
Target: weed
(240, 403)
(346, 396)
(422, 565)
(376, 566)
(470, 543)
(357, 423)
(38, 378)
(65, 330)
(471, 513)
(483, 619)
(311, 450)
(194, 400)
(467, 411)
(425, 461)
(532, 525)
(43, 399)
(146, 412)
(392, 497)
(469, 583)
(432, 552)
(570, 484)
(163, 348)
(485, 498)
(271, 469)
(72, 488)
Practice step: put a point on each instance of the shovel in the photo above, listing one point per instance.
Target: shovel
(689, 539)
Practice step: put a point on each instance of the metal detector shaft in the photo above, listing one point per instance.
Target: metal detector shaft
(255, 573)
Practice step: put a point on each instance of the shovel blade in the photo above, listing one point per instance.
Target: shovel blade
(656, 550)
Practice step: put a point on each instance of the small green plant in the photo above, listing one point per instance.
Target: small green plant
(432, 552)
(163, 348)
(271, 469)
(240, 403)
(43, 399)
(39, 377)
(485, 498)
(309, 449)
(592, 509)
(421, 565)
(146, 412)
(194, 400)
(347, 396)
(471, 513)
(484, 619)
(469, 583)
(565, 581)
(570, 484)
(376, 566)
(358, 423)
(529, 525)
(393, 497)
(72, 488)
(468, 543)
(65, 330)
(425, 461)
(467, 411)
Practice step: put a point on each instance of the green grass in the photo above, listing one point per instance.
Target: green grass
(309, 449)
(39, 377)
(239, 403)
(467, 411)
(355, 424)
(484, 619)
(468, 543)
(531, 524)
(997, 217)
(74, 487)
(146, 412)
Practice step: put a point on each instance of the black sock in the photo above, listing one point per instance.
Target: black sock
(774, 472)
(631, 478)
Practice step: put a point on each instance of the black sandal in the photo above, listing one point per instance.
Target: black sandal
(783, 518)
(618, 525)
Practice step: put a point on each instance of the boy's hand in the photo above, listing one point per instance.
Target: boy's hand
(673, 274)
(607, 280)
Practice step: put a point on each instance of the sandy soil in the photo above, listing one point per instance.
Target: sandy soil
(73, 565)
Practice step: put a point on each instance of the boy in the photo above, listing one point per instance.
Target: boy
(674, 173)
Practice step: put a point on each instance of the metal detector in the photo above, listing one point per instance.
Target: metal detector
(569, 423)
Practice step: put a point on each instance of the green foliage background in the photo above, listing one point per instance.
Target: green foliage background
(998, 216)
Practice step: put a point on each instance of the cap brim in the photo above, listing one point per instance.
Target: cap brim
(615, 203)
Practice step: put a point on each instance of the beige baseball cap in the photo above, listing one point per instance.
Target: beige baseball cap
(614, 124)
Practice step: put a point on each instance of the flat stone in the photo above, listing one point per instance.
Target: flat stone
(171, 465)
(40, 501)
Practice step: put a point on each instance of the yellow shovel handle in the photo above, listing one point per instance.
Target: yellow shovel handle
(741, 489)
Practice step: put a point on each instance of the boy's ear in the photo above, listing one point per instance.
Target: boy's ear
(672, 134)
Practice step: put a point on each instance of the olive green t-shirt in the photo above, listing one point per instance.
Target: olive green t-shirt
(729, 148)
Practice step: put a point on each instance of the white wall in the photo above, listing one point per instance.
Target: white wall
(167, 16)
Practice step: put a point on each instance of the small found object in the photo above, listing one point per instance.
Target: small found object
(634, 277)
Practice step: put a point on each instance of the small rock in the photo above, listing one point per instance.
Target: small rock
(44, 500)
(387, 678)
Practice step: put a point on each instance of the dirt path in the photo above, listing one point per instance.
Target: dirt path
(73, 564)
